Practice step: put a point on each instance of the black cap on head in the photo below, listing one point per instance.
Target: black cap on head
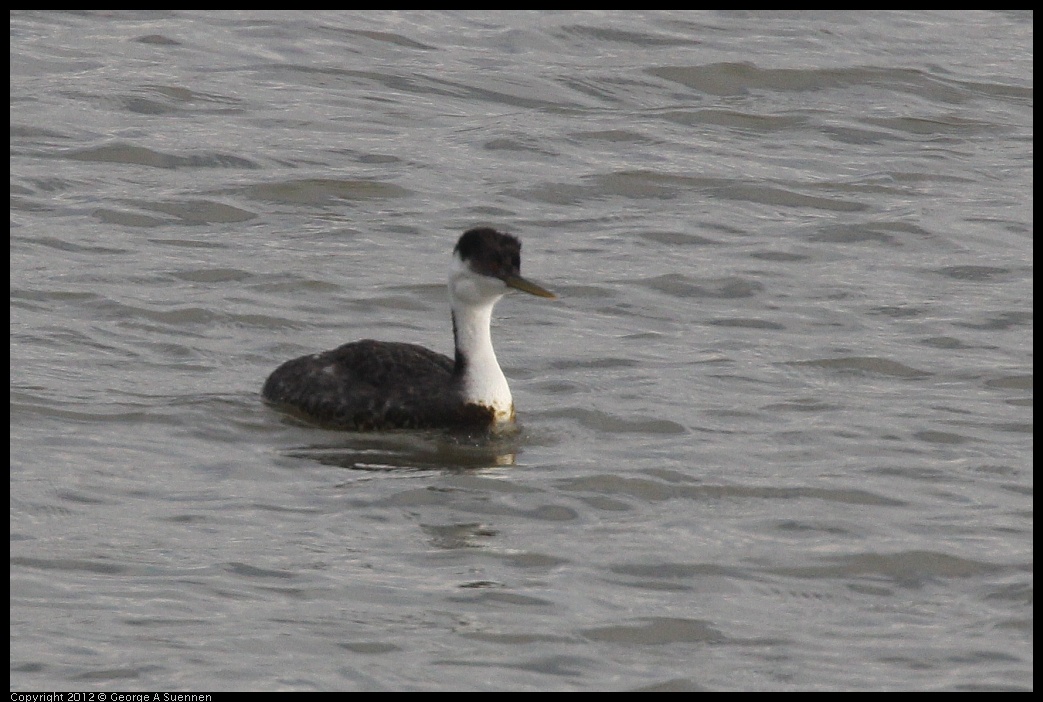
(490, 252)
(497, 255)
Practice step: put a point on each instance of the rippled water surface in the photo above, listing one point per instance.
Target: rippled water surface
(775, 434)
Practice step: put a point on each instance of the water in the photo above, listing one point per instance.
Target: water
(776, 433)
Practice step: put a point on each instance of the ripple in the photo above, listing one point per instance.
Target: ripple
(870, 365)
(657, 631)
(132, 154)
(907, 568)
(603, 421)
(682, 286)
(973, 273)
(317, 191)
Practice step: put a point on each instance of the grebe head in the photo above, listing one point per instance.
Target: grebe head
(487, 264)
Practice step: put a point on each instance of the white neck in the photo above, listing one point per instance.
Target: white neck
(472, 298)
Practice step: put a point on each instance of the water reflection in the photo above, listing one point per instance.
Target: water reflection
(417, 451)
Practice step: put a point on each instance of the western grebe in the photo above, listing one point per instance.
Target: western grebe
(368, 384)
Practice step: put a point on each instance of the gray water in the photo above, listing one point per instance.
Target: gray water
(775, 434)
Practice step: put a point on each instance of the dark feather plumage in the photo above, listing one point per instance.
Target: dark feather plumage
(368, 385)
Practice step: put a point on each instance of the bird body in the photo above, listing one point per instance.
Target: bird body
(376, 385)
